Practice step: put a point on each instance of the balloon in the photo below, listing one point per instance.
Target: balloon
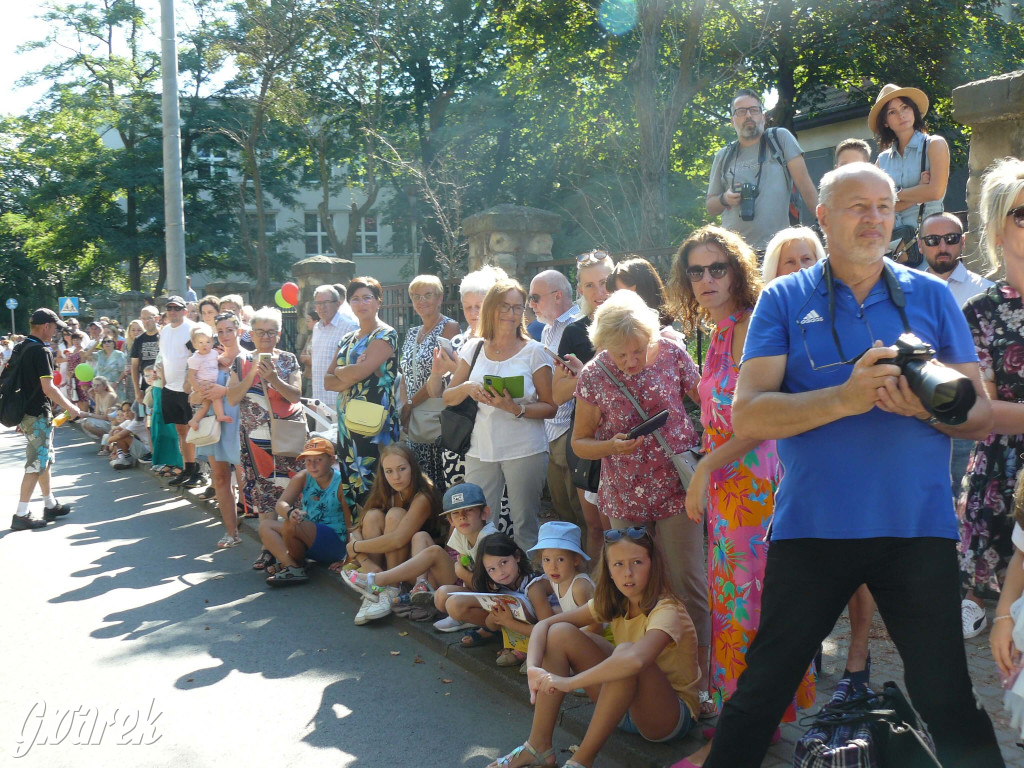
(57, 378)
(84, 372)
(280, 300)
(290, 292)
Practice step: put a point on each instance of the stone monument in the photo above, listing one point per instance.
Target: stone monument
(510, 236)
(994, 110)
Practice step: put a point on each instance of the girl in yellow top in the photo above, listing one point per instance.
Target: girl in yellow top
(646, 683)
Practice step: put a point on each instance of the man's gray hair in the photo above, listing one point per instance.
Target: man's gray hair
(327, 289)
(831, 180)
(556, 281)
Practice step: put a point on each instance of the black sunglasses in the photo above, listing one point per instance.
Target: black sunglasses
(635, 532)
(224, 316)
(1018, 215)
(951, 239)
(718, 270)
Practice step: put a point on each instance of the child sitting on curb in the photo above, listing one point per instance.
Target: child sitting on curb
(436, 571)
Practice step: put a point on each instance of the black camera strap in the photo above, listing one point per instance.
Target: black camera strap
(896, 295)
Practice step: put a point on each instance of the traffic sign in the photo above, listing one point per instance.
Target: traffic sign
(12, 303)
(68, 305)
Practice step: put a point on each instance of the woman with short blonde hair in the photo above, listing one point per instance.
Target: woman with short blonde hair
(791, 250)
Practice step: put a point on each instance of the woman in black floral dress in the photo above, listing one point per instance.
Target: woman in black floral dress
(996, 318)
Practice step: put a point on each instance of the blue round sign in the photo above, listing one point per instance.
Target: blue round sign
(12, 303)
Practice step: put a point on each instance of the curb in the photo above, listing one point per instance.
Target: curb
(574, 717)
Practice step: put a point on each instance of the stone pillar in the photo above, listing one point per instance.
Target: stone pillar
(510, 236)
(311, 273)
(130, 303)
(994, 110)
(103, 308)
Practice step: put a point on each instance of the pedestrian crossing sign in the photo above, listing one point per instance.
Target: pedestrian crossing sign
(68, 306)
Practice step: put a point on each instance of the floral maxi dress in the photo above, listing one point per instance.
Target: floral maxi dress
(357, 455)
(741, 500)
(985, 507)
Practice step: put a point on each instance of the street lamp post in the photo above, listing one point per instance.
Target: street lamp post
(174, 212)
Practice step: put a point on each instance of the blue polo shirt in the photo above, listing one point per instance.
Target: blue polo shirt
(877, 473)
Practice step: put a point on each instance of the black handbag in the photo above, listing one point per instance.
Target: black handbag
(457, 421)
(586, 473)
(868, 730)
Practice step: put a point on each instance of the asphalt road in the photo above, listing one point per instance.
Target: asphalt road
(129, 640)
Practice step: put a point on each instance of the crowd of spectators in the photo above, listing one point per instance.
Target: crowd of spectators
(674, 630)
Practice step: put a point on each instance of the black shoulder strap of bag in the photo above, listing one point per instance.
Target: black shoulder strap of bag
(924, 162)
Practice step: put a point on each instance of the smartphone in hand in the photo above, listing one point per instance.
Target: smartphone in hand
(648, 426)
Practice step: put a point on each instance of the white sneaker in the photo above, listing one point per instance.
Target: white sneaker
(360, 618)
(973, 618)
(382, 607)
(448, 624)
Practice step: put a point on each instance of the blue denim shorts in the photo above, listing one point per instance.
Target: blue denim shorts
(328, 546)
(683, 725)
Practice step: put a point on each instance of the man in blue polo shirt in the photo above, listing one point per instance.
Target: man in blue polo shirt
(865, 497)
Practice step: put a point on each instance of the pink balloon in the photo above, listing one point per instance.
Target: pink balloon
(290, 293)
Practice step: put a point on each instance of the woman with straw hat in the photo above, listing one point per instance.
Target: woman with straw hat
(917, 162)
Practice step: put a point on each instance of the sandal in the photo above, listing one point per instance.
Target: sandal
(507, 657)
(539, 758)
(227, 541)
(708, 708)
(477, 637)
(263, 561)
(422, 613)
(290, 574)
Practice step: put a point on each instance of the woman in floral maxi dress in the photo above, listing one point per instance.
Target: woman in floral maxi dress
(715, 280)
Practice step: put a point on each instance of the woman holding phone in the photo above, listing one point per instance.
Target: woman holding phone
(508, 443)
(267, 383)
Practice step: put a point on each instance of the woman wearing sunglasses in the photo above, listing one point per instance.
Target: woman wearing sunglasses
(715, 283)
(644, 682)
(996, 319)
(508, 446)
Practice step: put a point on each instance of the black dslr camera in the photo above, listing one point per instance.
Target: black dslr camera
(748, 193)
(947, 394)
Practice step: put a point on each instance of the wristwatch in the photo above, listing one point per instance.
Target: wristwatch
(522, 412)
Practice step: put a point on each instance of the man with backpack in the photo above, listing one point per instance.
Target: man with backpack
(26, 389)
(755, 179)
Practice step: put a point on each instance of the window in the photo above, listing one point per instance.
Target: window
(269, 222)
(316, 234)
(210, 164)
(366, 237)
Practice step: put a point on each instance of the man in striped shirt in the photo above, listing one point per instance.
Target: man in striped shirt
(327, 332)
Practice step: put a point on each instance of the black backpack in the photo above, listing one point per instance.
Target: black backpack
(13, 394)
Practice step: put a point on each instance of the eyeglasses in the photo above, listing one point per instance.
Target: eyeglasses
(718, 270)
(1018, 215)
(591, 257)
(362, 299)
(516, 309)
(171, 308)
(635, 532)
(743, 111)
(261, 334)
(224, 316)
(951, 239)
(423, 296)
(534, 298)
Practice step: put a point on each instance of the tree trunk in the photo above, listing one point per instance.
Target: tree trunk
(654, 145)
(785, 57)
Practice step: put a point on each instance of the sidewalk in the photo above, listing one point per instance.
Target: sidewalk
(637, 753)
